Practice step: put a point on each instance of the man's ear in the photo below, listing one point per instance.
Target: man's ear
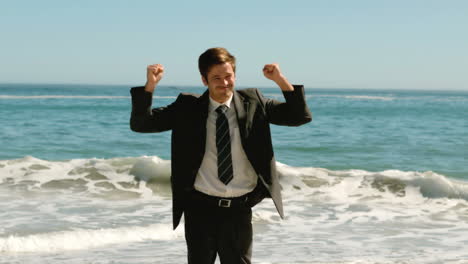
(205, 82)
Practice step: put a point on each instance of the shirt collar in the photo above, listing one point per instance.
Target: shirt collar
(214, 105)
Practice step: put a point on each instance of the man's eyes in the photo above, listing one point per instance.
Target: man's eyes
(219, 78)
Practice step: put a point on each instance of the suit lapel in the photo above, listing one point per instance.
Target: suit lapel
(242, 109)
(202, 110)
(202, 105)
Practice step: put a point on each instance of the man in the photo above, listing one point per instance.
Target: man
(222, 155)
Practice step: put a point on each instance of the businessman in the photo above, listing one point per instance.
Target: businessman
(222, 153)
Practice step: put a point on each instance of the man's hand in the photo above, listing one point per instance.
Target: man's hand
(273, 72)
(154, 74)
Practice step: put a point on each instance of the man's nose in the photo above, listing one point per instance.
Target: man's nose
(226, 82)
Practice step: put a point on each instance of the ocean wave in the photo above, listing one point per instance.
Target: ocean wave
(359, 97)
(372, 210)
(395, 182)
(19, 97)
(352, 97)
(134, 177)
(84, 239)
(455, 99)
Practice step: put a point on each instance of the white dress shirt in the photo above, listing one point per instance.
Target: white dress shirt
(244, 179)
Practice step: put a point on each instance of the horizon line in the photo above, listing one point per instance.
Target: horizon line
(241, 87)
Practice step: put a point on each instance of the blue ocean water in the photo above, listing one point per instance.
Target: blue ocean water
(372, 130)
(378, 176)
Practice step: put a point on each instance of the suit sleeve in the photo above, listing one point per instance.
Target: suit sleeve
(293, 112)
(143, 119)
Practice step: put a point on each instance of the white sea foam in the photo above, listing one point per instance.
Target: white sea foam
(350, 195)
(352, 216)
(85, 239)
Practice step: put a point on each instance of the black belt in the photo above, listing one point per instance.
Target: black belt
(213, 201)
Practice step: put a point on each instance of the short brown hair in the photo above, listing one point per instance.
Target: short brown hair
(213, 57)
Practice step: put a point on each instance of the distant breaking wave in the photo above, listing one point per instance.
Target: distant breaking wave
(356, 97)
(271, 95)
(361, 97)
(352, 97)
(17, 97)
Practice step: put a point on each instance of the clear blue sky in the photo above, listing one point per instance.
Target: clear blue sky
(417, 44)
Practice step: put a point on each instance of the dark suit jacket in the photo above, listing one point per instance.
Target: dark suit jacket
(187, 116)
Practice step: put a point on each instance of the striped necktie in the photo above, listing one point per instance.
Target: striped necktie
(223, 145)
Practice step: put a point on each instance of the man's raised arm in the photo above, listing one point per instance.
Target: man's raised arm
(144, 119)
(293, 112)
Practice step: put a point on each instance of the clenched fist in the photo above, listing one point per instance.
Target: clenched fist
(273, 72)
(154, 74)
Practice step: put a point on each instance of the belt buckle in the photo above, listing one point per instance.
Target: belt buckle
(224, 203)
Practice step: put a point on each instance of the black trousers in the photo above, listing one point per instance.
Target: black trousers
(212, 230)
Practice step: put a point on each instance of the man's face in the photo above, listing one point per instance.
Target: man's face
(220, 81)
